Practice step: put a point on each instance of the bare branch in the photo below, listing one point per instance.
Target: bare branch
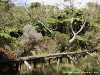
(71, 58)
(45, 26)
(75, 34)
(81, 27)
(72, 26)
(29, 67)
(72, 39)
(43, 56)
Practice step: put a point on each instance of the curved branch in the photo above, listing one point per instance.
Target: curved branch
(75, 34)
(81, 27)
(72, 26)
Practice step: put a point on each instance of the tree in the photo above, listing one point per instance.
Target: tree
(94, 12)
(75, 33)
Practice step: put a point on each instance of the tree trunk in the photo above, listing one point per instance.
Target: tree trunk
(73, 38)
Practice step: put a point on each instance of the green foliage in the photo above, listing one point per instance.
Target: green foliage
(94, 9)
(61, 38)
(69, 69)
(35, 5)
(14, 18)
(79, 37)
(4, 5)
(90, 63)
(51, 45)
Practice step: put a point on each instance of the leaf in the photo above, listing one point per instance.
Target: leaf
(5, 35)
(79, 37)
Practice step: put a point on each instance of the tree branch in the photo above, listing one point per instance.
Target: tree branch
(81, 27)
(31, 58)
(75, 34)
(72, 26)
(45, 26)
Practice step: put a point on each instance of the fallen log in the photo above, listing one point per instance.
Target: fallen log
(30, 58)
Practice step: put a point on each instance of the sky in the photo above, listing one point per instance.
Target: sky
(78, 3)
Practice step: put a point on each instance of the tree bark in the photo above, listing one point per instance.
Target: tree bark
(73, 38)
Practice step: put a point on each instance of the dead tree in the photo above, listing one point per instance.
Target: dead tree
(75, 33)
(71, 2)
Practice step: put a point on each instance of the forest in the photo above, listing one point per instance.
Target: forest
(39, 39)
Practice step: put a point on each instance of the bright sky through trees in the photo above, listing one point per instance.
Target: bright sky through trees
(78, 3)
